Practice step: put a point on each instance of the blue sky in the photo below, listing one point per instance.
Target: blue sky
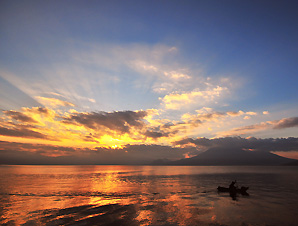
(221, 68)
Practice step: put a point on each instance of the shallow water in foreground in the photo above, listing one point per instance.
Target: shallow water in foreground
(146, 195)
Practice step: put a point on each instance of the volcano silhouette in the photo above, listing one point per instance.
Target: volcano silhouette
(233, 156)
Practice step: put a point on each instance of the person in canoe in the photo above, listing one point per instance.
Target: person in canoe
(233, 190)
(232, 186)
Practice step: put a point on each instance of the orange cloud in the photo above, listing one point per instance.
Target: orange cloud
(81, 129)
(71, 128)
(286, 123)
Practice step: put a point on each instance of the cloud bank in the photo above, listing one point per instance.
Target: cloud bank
(20, 153)
(275, 124)
(50, 154)
(122, 121)
(252, 143)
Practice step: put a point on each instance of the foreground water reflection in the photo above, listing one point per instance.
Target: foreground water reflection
(146, 195)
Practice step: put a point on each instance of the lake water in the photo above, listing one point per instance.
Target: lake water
(146, 195)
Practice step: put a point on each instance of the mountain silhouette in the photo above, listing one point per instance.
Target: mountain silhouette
(292, 163)
(233, 156)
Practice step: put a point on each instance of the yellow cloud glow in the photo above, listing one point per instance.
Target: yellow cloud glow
(53, 102)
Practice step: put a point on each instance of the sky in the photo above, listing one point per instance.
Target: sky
(112, 82)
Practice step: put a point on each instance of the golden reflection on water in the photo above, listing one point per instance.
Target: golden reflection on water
(140, 195)
(39, 188)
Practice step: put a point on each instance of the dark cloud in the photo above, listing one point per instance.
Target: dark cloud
(160, 131)
(33, 153)
(199, 142)
(169, 129)
(168, 125)
(120, 121)
(286, 123)
(269, 144)
(90, 138)
(211, 116)
(148, 153)
(39, 110)
(155, 135)
(43, 110)
(19, 116)
(50, 154)
(276, 124)
(39, 148)
(132, 154)
(21, 132)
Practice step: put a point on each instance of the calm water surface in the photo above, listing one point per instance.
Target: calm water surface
(146, 195)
